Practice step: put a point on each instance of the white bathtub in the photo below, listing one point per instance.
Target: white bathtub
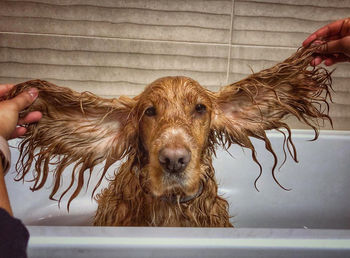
(311, 220)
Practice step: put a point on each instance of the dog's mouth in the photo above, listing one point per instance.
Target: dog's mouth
(179, 182)
(181, 197)
(174, 178)
(174, 187)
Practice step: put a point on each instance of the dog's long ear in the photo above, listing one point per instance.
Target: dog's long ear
(249, 107)
(79, 128)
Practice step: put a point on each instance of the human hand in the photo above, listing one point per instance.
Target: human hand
(334, 41)
(9, 112)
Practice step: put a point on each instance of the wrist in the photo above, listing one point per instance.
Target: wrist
(5, 155)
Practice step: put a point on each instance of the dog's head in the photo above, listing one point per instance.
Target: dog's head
(175, 115)
(170, 127)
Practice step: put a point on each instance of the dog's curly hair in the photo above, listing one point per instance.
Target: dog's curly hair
(86, 130)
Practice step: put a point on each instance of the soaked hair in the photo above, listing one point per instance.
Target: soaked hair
(263, 99)
(86, 130)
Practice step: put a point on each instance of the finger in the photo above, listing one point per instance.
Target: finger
(316, 61)
(19, 131)
(309, 40)
(4, 88)
(32, 117)
(334, 60)
(336, 46)
(327, 31)
(345, 30)
(24, 99)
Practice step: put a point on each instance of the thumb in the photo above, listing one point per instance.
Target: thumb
(336, 46)
(24, 99)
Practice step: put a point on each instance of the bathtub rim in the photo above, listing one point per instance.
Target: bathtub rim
(218, 241)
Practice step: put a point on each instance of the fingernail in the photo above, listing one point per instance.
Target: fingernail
(33, 92)
(328, 62)
(317, 43)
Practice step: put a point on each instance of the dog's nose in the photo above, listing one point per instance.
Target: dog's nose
(174, 160)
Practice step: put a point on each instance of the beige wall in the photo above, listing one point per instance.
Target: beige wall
(117, 47)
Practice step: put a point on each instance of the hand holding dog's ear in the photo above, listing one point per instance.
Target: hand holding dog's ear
(79, 128)
(10, 109)
(336, 39)
(260, 101)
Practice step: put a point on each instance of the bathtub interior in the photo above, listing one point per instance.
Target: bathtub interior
(318, 198)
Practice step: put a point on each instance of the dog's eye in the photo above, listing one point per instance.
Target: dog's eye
(200, 108)
(151, 111)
